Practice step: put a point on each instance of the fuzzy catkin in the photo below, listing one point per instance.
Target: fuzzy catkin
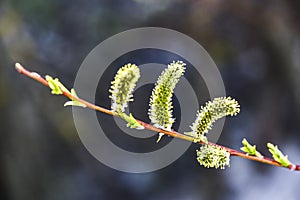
(161, 108)
(213, 156)
(211, 112)
(123, 86)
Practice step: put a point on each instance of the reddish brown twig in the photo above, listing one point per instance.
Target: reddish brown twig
(174, 134)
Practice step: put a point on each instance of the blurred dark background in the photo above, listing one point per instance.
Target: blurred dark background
(255, 44)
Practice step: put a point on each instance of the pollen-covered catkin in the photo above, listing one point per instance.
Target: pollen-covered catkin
(123, 86)
(211, 112)
(213, 156)
(161, 107)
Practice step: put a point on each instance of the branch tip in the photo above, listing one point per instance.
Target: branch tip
(19, 67)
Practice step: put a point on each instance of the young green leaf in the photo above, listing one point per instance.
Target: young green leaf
(54, 85)
(278, 155)
(132, 122)
(74, 102)
(250, 149)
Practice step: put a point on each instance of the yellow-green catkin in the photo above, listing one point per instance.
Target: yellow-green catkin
(123, 86)
(211, 112)
(213, 156)
(161, 107)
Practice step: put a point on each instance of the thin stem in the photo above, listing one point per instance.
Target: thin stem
(172, 133)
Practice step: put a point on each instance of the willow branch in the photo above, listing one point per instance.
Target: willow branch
(172, 133)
